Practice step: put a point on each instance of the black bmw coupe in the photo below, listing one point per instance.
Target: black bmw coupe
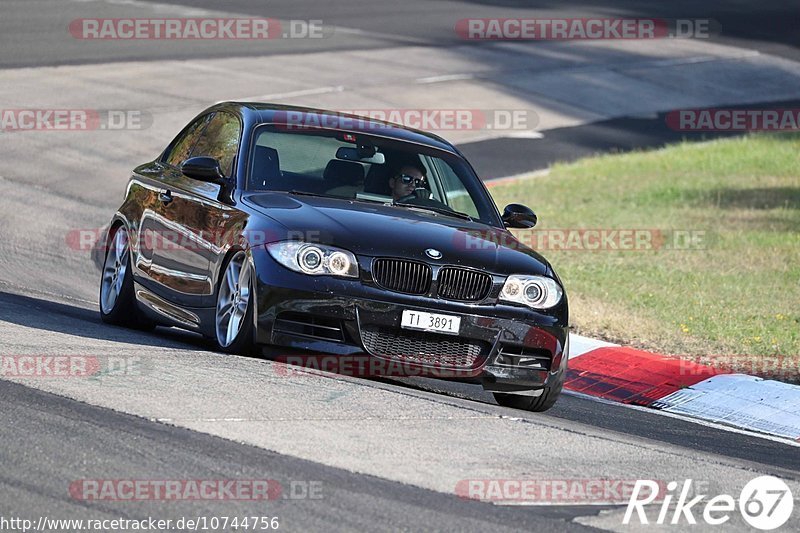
(336, 234)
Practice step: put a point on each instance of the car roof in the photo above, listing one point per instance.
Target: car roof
(266, 113)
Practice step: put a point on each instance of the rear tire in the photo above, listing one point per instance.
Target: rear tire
(537, 404)
(117, 299)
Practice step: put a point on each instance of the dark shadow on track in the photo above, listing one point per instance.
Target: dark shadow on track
(496, 158)
(74, 320)
(124, 447)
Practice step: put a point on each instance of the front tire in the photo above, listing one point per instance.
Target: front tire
(117, 300)
(537, 404)
(233, 321)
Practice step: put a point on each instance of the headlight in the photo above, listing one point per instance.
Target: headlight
(537, 292)
(314, 259)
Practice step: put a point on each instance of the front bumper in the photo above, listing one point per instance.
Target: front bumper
(505, 348)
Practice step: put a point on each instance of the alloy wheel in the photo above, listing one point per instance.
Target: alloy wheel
(233, 300)
(115, 269)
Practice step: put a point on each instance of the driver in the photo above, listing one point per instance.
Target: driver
(408, 178)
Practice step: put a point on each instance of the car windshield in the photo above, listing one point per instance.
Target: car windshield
(368, 168)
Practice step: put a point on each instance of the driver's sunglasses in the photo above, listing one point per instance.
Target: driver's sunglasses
(406, 179)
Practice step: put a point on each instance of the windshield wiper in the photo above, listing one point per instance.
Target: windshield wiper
(440, 210)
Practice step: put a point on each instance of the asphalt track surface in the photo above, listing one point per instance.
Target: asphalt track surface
(60, 436)
(379, 471)
(50, 441)
(33, 34)
(33, 30)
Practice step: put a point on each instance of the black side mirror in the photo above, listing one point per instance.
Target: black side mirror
(519, 216)
(203, 168)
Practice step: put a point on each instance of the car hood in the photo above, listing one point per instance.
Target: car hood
(377, 230)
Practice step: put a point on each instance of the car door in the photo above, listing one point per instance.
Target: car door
(153, 221)
(194, 220)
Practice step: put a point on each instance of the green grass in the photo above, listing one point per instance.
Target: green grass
(740, 294)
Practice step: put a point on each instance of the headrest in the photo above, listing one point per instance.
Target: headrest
(344, 172)
(266, 166)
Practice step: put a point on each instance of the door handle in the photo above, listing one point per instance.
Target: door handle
(165, 197)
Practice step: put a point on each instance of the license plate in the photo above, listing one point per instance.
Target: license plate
(430, 322)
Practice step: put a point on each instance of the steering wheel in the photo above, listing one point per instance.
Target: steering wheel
(420, 193)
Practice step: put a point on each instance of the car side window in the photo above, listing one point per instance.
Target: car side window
(182, 147)
(220, 140)
(457, 195)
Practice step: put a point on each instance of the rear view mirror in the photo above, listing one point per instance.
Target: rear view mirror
(203, 168)
(361, 154)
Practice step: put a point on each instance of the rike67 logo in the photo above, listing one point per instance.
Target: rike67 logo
(765, 503)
